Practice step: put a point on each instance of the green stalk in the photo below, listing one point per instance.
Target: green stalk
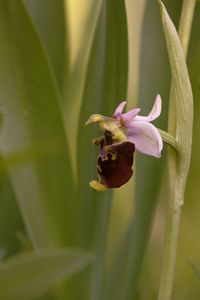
(169, 139)
(178, 169)
(100, 243)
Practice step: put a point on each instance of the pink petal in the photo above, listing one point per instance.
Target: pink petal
(154, 113)
(146, 138)
(119, 109)
(129, 116)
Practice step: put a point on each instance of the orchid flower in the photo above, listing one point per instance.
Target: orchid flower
(123, 134)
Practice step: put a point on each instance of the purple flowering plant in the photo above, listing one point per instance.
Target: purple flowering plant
(123, 134)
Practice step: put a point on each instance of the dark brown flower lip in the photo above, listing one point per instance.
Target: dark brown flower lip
(115, 161)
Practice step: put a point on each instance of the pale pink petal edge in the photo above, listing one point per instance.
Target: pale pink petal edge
(119, 109)
(154, 113)
(129, 116)
(146, 138)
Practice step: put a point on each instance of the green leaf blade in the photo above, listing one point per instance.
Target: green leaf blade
(182, 93)
(33, 141)
(32, 275)
(49, 19)
(105, 87)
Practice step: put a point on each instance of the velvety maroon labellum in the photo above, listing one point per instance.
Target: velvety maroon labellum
(115, 162)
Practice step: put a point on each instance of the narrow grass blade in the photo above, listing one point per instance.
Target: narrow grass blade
(195, 268)
(50, 20)
(29, 276)
(194, 71)
(73, 89)
(182, 93)
(10, 217)
(33, 142)
(105, 87)
(9, 245)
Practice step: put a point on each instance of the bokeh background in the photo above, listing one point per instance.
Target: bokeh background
(94, 62)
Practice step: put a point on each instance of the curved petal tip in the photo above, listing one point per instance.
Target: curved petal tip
(156, 110)
(154, 113)
(119, 109)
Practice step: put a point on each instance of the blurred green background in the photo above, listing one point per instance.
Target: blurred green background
(61, 61)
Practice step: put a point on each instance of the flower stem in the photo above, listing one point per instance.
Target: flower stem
(176, 174)
(169, 139)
